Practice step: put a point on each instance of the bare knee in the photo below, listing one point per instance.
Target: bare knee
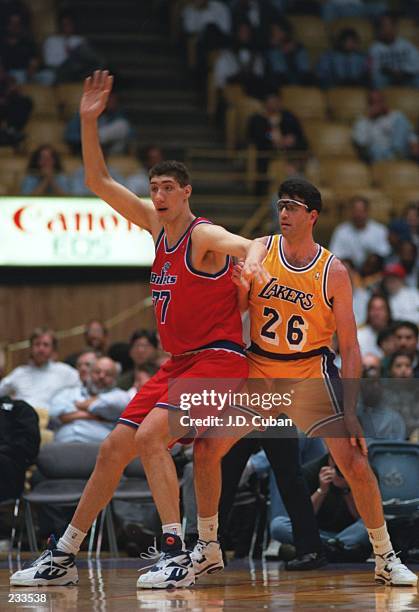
(209, 451)
(150, 440)
(112, 455)
(356, 468)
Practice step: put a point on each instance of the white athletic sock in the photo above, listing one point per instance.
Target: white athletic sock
(208, 528)
(380, 540)
(175, 528)
(71, 540)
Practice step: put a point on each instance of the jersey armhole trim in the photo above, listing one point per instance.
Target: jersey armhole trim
(327, 301)
(201, 274)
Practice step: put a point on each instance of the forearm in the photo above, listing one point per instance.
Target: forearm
(317, 500)
(96, 171)
(351, 372)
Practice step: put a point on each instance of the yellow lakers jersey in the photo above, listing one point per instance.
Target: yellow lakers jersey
(291, 314)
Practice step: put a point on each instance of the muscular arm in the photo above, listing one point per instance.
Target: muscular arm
(98, 179)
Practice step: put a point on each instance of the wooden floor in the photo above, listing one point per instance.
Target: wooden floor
(110, 586)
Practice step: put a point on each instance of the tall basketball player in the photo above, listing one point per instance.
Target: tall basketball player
(293, 317)
(196, 308)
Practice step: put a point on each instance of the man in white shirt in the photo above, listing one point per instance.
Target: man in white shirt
(39, 380)
(404, 301)
(89, 413)
(198, 14)
(360, 236)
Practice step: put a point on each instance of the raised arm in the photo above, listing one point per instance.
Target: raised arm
(339, 291)
(95, 96)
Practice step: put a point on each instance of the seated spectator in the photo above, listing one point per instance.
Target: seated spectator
(95, 338)
(386, 340)
(372, 272)
(379, 421)
(115, 130)
(411, 215)
(277, 129)
(378, 319)
(88, 413)
(67, 55)
(139, 182)
(402, 394)
(393, 59)
(408, 258)
(18, 52)
(19, 444)
(143, 349)
(338, 9)
(406, 340)
(382, 133)
(209, 22)
(45, 176)
(142, 374)
(15, 109)
(39, 380)
(344, 65)
(241, 62)
(259, 13)
(288, 62)
(341, 529)
(403, 300)
(356, 238)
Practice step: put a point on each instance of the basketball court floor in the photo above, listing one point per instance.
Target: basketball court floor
(109, 585)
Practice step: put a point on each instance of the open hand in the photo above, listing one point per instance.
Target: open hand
(96, 92)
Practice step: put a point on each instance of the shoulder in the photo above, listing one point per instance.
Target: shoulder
(338, 276)
(63, 368)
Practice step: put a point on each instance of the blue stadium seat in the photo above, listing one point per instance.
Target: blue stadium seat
(397, 466)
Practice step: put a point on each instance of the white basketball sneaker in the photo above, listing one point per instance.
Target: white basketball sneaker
(173, 567)
(207, 558)
(391, 571)
(53, 568)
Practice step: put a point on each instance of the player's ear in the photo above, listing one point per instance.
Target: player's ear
(188, 190)
(314, 216)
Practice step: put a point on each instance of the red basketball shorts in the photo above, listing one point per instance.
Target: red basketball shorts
(208, 364)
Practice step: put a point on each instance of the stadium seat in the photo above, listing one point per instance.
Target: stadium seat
(341, 174)
(71, 163)
(45, 131)
(405, 99)
(237, 118)
(409, 29)
(394, 174)
(328, 139)
(68, 98)
(12, 171)
(43, 98)
(65, 469)
(310, 31)
(305, 102)
(362, 26)
(397, 466)
(43, 23)
(124, 164)
(400, 197)
(346, 103)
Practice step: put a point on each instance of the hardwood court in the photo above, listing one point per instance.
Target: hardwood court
(110, 586)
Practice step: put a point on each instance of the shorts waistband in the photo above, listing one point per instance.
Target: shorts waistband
(257, 350)
(224, 345)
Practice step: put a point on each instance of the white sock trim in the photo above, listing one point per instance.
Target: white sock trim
(208, 528)
(71, 540)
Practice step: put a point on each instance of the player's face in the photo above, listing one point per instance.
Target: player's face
(293, 216)
(168, 197)
(42, 349)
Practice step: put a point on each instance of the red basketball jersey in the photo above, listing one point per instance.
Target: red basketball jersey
(193, 309)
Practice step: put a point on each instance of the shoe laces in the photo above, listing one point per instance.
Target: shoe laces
(392, 558)
(157, 557)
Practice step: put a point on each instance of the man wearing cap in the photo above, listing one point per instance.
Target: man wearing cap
(403, 300)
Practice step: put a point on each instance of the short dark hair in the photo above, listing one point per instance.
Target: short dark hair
(151, 336)
(38, 332)
(359, 198)
(409, 324)
(396, 354)
(302, 189)
(385, 333)
(171, 168)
